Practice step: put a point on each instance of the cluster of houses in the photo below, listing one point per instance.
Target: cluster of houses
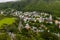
(35, 16)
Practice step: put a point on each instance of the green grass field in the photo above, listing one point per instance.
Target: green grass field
(7, 21)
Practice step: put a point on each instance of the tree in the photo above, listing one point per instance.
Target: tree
(4, 36)
(49, 36)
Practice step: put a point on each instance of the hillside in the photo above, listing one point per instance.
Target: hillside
(49, 6)
(30, 20)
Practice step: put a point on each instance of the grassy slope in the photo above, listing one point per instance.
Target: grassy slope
(7, 21)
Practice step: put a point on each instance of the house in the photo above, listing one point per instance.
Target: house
(48, 30)
(34, 12)
(2, 12)
(41, 19)
(59, 25)
(34, 29)
(21, 12)
(50, 18)
(41, 30)
(42, 13)
(56, 22)
(46, 14)
(27, 26)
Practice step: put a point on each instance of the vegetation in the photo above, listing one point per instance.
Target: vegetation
(49, 6)
(7, 21)
(4, 36)
(9, 24)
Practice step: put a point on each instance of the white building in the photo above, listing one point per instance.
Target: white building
(27, 26)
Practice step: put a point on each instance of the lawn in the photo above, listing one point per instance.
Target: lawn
(7, 21)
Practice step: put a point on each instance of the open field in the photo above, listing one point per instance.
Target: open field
(7, 21)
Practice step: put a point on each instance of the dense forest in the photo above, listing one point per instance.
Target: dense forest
(49, 6)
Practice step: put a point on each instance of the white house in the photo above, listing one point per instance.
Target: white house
(27, 26)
